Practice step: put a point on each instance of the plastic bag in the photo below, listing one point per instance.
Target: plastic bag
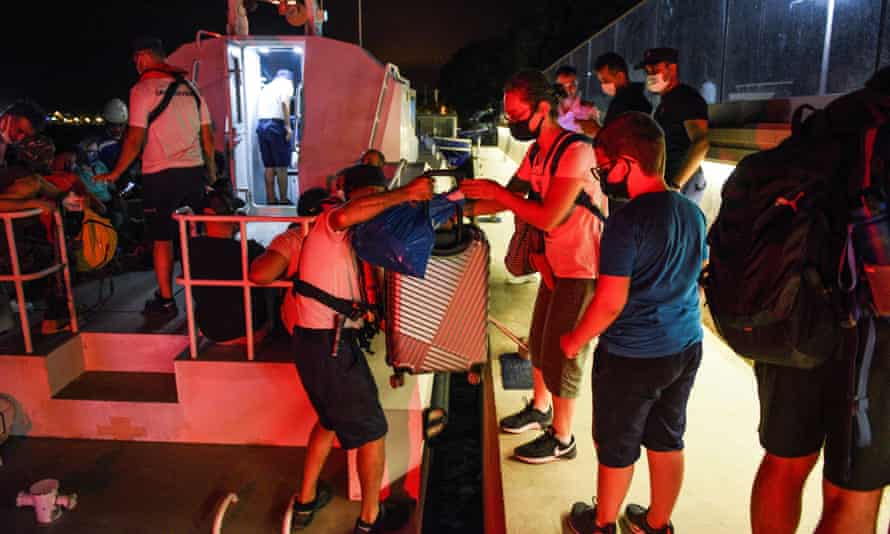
(401, 238)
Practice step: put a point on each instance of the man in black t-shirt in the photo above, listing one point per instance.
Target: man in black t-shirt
(217, 256)
(683, 115)
(611, 69)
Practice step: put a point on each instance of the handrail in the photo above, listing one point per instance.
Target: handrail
(18, 278)
(188, 282)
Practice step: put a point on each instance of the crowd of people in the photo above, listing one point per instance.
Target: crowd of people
(630, 281)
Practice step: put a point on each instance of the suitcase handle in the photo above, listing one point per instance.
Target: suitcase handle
(457, 245)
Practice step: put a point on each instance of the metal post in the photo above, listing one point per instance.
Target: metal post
(826, 49)
(360, 41)
(19, 289)
(187, 279)
(248, 305)
(66, 273)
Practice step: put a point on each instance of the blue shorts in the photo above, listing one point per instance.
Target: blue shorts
(274, 146)
(342, 389)
(640, 401)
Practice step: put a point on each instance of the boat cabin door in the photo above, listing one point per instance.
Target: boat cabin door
(264, 79)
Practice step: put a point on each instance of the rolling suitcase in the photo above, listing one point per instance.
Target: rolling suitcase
(439, 323)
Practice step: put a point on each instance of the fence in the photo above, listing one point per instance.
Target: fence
(18, 278)
(188, 282)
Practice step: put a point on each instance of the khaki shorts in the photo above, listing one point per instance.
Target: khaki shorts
(556, 313)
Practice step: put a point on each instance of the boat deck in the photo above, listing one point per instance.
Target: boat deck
(722, 448)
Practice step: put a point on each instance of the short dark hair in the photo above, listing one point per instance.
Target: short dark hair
(372, 152)
(566, 69)
(361, 176)
(535, 88)
(612, 61)
(29, 110)
(152, 44)
(636, 135)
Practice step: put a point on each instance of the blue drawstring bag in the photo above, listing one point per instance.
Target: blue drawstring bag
(401, 238)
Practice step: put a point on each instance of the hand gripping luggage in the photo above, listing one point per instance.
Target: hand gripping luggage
(438, 323)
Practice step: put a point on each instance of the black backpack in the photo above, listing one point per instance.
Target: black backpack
(788, 280)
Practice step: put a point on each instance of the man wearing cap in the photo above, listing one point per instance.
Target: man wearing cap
(177, 159)
(274, 133)
(217, 256)
(683, 115)
(330, 362)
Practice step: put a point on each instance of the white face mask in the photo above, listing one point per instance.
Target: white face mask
(656, 83)
(609, 89)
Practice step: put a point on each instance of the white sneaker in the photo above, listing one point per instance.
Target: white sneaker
(525, 279)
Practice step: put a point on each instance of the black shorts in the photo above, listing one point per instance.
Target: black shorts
(640, 401)
(342, 389)
(802, 409)
(166, 191)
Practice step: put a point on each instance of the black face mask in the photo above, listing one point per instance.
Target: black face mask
(616, 190)
(521, 131)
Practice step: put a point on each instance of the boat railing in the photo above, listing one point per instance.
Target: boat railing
(18, 278)
(186, 280)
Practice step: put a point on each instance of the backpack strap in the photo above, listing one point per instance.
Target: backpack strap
(353, 310)
(563, 143)
(178, 79)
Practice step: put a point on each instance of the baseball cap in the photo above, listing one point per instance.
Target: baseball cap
(657, 55)
(359, 176)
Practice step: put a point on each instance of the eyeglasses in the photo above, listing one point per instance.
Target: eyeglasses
(601, 172)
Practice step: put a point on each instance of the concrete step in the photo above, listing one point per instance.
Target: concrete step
(121, 387)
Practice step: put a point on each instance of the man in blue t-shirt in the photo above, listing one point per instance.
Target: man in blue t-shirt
(646, 313)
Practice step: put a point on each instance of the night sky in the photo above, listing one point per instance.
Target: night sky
(75, 54)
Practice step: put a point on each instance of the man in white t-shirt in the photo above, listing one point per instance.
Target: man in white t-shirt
(177, 159)
(274, 133)
(575, 114)
(330, 363)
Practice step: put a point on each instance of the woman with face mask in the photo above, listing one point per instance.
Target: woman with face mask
(571, 247)
(683, 115)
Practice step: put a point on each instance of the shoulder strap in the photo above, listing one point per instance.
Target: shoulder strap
(560, 146)
(562, 143)
(178, 79)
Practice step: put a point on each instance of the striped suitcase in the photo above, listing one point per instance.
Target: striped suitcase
(438, 323)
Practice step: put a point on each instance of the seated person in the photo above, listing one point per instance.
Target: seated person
(25, 186)
(374, 157)
(281, 259)
(88, 166)
(217, 256)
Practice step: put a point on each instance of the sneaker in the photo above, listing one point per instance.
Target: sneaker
(524, 279)
(160, 307)
(582, 520)
(305, 513)
(634, 522)
(389, 518)
(529, 418)
(545, 448)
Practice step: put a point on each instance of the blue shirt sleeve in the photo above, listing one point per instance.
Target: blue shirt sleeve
(618, 248)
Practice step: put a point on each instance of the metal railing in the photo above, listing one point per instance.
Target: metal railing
(188, 282)
(18, 278)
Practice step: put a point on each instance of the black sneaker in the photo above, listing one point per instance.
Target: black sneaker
(634, 522)
(582, 520)
(529, 418)
(303, 514)
(389, 518)
(545, 448)
(160, 307)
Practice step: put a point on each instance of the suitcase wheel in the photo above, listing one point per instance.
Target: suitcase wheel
(397, 380)
(474, 377)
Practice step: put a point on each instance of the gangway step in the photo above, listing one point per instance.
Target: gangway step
(115, 386)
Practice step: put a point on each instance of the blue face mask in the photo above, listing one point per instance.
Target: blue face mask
(92, 155)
